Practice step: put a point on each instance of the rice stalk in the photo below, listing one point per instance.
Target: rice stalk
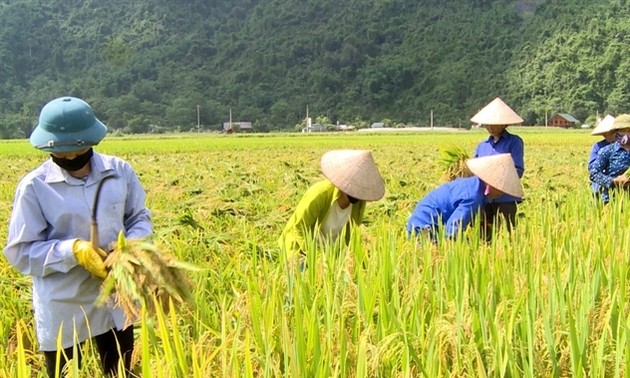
(452, 160)
(140, 271)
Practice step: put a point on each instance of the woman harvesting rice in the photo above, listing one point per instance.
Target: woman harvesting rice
(609, 169)
(49, 230)
(454, 204)
(604, 129)
(334, 204)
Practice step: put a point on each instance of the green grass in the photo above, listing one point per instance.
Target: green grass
(548, 300)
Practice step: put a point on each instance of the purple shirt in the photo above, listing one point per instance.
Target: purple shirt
(507, 143)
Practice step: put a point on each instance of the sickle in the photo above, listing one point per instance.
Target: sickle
(94, 225)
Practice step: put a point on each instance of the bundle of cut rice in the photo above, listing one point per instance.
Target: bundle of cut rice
(139, 272)
(453, 161)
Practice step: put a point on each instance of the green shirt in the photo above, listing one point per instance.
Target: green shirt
(311, 213)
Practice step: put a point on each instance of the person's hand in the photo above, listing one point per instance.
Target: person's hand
(89, 258)
(621, 180)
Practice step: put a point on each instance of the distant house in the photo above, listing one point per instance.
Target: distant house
(237, 127)
(377, 125)
(345, 128)
(316, 127)
(562, 120)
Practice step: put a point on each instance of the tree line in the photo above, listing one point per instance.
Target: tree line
(171, 65)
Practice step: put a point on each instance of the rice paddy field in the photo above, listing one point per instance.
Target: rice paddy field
(548, 300)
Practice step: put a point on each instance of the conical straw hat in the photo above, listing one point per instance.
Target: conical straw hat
(497, 171)
(496, 113)
(604, 125)
(621, 122)
(354, 173)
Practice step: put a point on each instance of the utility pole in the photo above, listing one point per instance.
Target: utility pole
(198, 120)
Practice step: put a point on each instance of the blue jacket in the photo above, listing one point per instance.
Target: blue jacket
(452, 205)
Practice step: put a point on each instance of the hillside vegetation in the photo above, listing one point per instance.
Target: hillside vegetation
(142, 63)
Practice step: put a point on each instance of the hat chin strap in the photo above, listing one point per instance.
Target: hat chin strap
(56, 143)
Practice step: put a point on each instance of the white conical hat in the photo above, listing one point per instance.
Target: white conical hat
(354, 172)
(496, 113)
(604, 125)
(497, 171)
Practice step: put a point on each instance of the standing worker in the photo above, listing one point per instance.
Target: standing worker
(49, 235)
(495, 117)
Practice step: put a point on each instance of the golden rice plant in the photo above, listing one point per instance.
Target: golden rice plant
(139, 272)
(453, 162)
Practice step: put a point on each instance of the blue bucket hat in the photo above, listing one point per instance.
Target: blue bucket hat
(67, 124)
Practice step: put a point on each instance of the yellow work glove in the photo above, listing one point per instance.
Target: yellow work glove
(88, 257)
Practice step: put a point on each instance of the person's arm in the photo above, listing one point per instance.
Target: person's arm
(593, 155)
(28, 248)
(304, 218)
(137, 219)
(461, 217)
(596, 169)
(476, 155)
(518, 155)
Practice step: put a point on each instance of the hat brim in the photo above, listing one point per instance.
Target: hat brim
(354, 172)
(68, 142)
(497, 112)
(604, 126)
(497, 171)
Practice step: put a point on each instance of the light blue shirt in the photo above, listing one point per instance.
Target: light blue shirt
(51, 210)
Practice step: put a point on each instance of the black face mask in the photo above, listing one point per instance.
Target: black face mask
(75, 164)
(352, 199)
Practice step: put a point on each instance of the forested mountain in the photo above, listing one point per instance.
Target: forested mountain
(144, 62)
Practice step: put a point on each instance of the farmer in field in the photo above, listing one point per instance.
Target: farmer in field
(49, 235)
(454, 205)
(604, 129)
(609, 168)
(495, 117)
(334, 204)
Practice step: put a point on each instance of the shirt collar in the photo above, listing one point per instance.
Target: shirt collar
(504, 134)
(100, 169)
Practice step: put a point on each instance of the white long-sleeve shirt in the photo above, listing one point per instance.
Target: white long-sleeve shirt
(51, 210)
